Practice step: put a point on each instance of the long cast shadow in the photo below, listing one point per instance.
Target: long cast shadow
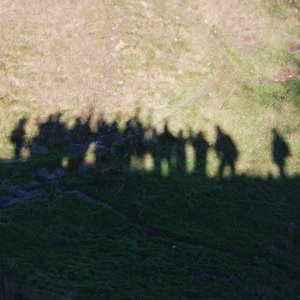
(119, 145)
(219, 211)
(280, 152)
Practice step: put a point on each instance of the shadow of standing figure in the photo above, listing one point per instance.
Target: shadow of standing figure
(201, 147)
(226, 151)
(180, 152)
(52, 132)
(280, 152)
(18, 137)
(134, 134)
(80, 136)
(167, 147)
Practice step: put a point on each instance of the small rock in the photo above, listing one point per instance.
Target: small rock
(20, 196)
(44, 173)
(106, 229)
(234, 280)
(61, 243)
(10, 162)
(59, 172)
(35, 193)
(99, 142)
(32, 185)
(18, 221)
(41, 150)
(258, 260)
(82, 169)
(120, 45)
(153, 198)
(78, 148)
(3, 183)
(70, 234)
(17, 191)
(6, 201)
(289, 229)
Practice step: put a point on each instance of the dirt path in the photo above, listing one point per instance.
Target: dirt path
(214, 83)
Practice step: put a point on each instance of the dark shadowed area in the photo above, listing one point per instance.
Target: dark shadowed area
(116, 201)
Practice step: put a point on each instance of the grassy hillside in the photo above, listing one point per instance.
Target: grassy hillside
(206, 64)
(150, 149)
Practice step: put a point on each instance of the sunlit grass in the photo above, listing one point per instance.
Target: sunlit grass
(193, 65)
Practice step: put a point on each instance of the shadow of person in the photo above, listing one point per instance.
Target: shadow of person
(280, 152)
(180, 155)
(52, 136)
(80, 136)
(52, 132)
(226, 151)
(167, 145)
(154, 149)
(18, 137)
(201, 147)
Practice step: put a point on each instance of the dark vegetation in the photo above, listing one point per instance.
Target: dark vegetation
(100, 225)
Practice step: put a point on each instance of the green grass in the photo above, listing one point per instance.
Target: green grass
(275, 94)
(201, 237)
(211, 241)
(198, 65)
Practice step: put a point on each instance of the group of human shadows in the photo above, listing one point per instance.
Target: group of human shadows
(134, 139)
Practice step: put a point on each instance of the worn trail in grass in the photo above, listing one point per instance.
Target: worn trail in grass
(181, 117)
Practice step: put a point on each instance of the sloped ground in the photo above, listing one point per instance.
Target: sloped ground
(93, 218)
(231, 63)
(200, 247)
(111, 169)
